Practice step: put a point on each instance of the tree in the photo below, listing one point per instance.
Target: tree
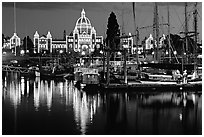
(112, 31)
(64, 35)
(3, 40)
(28, 44)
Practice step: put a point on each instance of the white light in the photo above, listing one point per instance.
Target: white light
(119, 53)
(180, 117)
(175, 52)
(167, 53)
(125, 46)
(92, 50)
(82, 53)
(153, 53)
(61, 51)
(22, 52)
(101, 52)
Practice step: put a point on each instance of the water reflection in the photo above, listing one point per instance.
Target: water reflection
(12, 89)
(53, 102)
(47, 93)
(84, 109)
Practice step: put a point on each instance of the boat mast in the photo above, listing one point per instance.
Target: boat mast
(195, 27)
(136, 33)
(14, 15)
(156, 31)
(169, 37)
(122, 29)
(186, 31)
(125, 50)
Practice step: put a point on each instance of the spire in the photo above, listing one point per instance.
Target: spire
(49, 35)
(36, 34)
(93, 30)
(14, 12)
(82, 13)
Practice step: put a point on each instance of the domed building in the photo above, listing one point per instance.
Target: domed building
(84, 37)
(82, 40)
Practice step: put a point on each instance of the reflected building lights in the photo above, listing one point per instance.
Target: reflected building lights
(36, 94)
(27, 87)
(49, 96)
(13, 92)
(84, 109)
(22, 85)
(193, 98)
(180, 117)
(5, 82)
(61, 88)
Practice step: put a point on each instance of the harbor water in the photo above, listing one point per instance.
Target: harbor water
(56, 107)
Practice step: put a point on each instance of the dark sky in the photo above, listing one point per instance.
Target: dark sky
(59, 16)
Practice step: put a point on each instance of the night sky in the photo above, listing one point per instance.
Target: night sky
(59, 16)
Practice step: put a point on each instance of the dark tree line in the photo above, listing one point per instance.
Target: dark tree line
(112, 32)
(28, 45)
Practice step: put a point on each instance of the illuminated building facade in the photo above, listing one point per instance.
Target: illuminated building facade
(83, 39)
(13, 43)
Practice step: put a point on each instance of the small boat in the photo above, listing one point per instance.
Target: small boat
(52, 72)
(86, 77)
(90, 80)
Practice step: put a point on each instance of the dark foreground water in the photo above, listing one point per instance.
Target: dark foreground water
(56, 107)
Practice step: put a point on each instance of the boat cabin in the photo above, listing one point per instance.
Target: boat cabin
(90, 76)
(78, 74)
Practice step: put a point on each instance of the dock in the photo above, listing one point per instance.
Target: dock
(151, 86)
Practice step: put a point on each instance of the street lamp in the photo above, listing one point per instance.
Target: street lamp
(101, 52)
(92, 50)
(81, 60)
(153, 53)
(83, 53)
(61, 51)
(22, 52)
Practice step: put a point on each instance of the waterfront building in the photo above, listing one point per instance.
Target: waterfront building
(83, 39)
(13, 43)
(128, 44)
(149, 43)
(6, 43)
(46, 44)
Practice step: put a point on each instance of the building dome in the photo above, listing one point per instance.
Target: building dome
(83, 24)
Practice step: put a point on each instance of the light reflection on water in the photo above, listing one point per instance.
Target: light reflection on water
(100, 113)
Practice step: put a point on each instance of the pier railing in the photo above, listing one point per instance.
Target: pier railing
(7, 68)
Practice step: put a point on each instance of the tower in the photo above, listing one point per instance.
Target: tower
(49, 42)
(93, 38)
(36, 42)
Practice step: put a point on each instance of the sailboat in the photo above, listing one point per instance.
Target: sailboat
(174, 67)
